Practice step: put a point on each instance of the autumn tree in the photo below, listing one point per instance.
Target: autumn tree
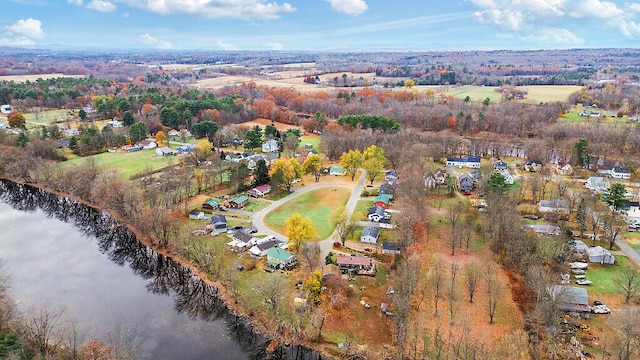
(161, 138)
(351, 162)
(16, 119)
(409, 83)
(373, 161)
(299, 230)
(313, 285)
(343, 226)
(202, 150)
(312, 165)
(284, 171)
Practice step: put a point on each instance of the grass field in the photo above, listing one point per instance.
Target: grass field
(48, 117)
(319, 206)
(256, 204)
(535, 94)
(476, 93)
(361, 211)
(603, 277)
(128, 164)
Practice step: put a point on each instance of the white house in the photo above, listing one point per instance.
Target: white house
(620, 173)
(375, 213)
(115, 123)
(5, 109)
(468, 162)
(557, 206)
(596, 184)
(164, 151)
(508, 178)
(197, 215)
(632, 215)
(370, 235)
(598, 254)
(270, 146)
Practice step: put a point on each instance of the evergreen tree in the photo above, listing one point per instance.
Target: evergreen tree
(22, 140)
(616, 197)
(261, 173)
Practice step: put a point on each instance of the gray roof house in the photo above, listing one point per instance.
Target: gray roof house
(376, 213)
(219, 223)
(570, 298)
(558, 206)
(391, 247)
(598, 254)
(370, 235)
(465, 183)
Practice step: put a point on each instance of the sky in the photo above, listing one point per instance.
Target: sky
(320, 25)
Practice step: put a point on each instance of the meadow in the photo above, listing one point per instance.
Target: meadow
(127, 164)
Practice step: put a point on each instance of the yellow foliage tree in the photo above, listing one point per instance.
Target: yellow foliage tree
(161, 138)
(410, 83)
(203, 149)
(351, 161)
(299, 230)
(313, 285)
(284, 172)
(312, 165)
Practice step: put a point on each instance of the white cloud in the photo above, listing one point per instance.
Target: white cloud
(30, 28)
(155, 42)
(22, 33)
(630, 28)
(553, 36)
(511, 20)
(242, 9)
(101, 5)
(538, 16)
(76, 2)
(351, 7)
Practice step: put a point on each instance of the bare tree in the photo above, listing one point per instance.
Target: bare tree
(311, 252)
(627, 340)
(41, 328)
(273, 289)
(628, 282)
(495, 292)
(127, 344)
(343, 226)
(436, 278)
(408, 276)
(451, 293)
(612, 225)
(472, 275)
(7, 304)
(453, 215)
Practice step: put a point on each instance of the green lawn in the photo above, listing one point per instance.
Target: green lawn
(633, 239)
(313, 139)
(535, 94)
(476, 93)
(603, 277)
(256, 204)
(129, 164)
(319, 206)
(361, 211)
(49, 116)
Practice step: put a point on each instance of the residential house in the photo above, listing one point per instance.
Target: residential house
(533, 165)
(597, 185)
(579, 247)
(500, 165)
(555, 156)
(115, 123)
(543, 229)
(387, 223)
(280, 259)
(337, 171)
(261, 249)
(475, 175)
(219, 223)
(430, 180)
(391, 177)
(211, 205)
(62, 143)
(632, 215)
(557, 206)
(164, 151)
(131, 148)
(239, 202)
(346, 263)
(261, 190)
(241, 241)
(270, 158)
(375, 213)
(147, 144)
(468, 162)
(621, 173)
(570, 298)
(465, 183)
(564, 168)
(70, 132)
(386, 189)
(598, 254)
(391, 247)
(197, 215)
(185, 149)
(370, 235)
(382, 201)
(5, 109)
(508, 178)
(270, 145)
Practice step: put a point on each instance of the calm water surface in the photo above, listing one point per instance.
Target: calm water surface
(107, 281)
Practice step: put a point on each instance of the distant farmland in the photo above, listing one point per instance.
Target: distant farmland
(23, 78)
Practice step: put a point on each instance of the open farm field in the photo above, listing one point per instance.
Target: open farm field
(128, 164)
(48, 117)
(262, 122)
(319, 206)
(476, 93)
(549, 93)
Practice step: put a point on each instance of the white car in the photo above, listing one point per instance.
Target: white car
(584, 282)
(600, 309)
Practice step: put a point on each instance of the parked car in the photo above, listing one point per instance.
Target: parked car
(600, 309)
(584, 282)
(597, 302)
(532, 216)
(222, 208)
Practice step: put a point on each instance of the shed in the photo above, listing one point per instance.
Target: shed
(570, 298)
(337, 171)
(239, 202)
(391, 247)
(164, 151)
(211, 204)
(197, 215)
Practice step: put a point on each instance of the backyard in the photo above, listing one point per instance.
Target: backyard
(128, 164)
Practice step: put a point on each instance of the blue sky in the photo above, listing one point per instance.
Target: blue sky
(341, 25)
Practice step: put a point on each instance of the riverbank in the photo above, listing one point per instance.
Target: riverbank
(277, 341)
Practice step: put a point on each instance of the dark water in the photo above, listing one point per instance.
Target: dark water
(59, 253)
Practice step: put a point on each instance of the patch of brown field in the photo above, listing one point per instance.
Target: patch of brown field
(23, 78)
(262, 122)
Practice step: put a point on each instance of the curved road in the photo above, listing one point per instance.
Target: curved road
(326, 244)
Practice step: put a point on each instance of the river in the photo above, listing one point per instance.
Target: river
(61, 254)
